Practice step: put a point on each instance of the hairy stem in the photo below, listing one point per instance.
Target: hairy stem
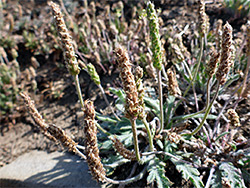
(102, 129)
(210, 176)
(107, 102)
(150, 138)
(245, 76)
(207, 111)
(199, 59)
(160, 100)
(136, 145)
(78, 89)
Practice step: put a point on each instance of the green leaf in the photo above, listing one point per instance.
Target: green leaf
(152, 103)
(156, 171)
(106, 145)
(170, 104)
(210, 116)
(189, 173)
(246, 175)
(232, 174)
(120, 93)
(105, 118)
(221, 135)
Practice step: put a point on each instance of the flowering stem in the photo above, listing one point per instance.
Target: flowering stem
(245, 76)
(207, 110)
(160, 100)
(78, 89)
(107, 102)
(150, 138)
(136, 145)
(102, 129)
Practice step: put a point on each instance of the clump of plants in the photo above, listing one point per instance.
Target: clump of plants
(146, 126)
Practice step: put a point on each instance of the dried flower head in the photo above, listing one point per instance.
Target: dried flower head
(233, 117)
(101, 24)
(36, 116)
(174, 137)
(140, 90)
(132, 109)
(97, 30)
(173, 87)
(155, 36)
(212, 64)
(202, 17)
(92, 151)
(67, 44)
(60, 135)
(218, 34)
(178, 40)
(225, 62)
(177, 52)
(127, 154)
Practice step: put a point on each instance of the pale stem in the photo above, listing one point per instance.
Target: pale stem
(80, 153)
(207, 110)
(199, 59)
(116, 163)
(136, 145)
(80, 147)
(130, 180)
(208, 91)
(107, 102)
(160, 100)
(245, 76)
(197, 69)
(210, 177)
(193, 84)
(102, 129)
(150, 138)
(78, 89)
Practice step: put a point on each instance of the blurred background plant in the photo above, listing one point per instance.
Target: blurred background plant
(239, 8)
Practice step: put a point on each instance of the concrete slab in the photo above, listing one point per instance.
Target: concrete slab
(44, 169)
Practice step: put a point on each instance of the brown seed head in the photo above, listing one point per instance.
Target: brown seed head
(140, 90)
(132, 109)
(67, 44)
(36, 116)
(173, 87)
(226, 54)
(92, 151)
(202, 17)
(127, 154)
(212, 64)
(233, 117)
(218, 34)
(60, 135)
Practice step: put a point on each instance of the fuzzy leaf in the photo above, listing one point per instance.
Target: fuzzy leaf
(152, 103)
(156, 171)
(120, 93)
(189, 173)
(232, 174)
(216, 180)
(105, 118)
(246, 175)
